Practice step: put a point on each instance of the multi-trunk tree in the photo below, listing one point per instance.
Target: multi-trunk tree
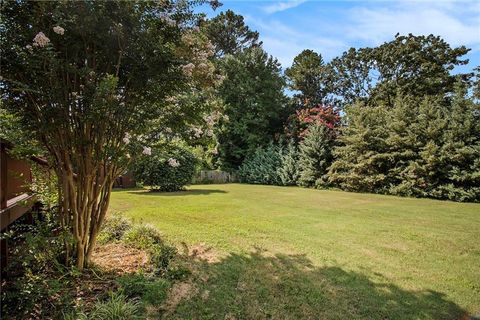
(87, 79)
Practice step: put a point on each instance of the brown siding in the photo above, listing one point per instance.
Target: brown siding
(125, 181)
(19, 177)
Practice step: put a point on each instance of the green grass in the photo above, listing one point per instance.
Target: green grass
(290, 253)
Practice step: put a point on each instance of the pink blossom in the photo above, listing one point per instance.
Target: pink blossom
(147, 151)
(173, 162)
(188, 69)
(40, 40)
(127, 137)
(59, 30)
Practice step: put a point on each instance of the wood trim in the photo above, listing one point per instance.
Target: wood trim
(3, 176)
(16, 209)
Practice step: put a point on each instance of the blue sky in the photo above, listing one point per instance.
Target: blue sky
(331, 27)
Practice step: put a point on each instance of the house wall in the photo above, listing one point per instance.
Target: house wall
(125, 181)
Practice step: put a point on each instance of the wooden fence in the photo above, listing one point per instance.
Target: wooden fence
(214, 176)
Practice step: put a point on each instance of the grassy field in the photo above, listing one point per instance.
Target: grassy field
(292, 253)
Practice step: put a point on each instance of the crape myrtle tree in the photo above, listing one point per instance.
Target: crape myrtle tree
(86, 79)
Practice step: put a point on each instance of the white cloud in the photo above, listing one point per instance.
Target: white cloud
(282, 6)
(331, 31)
(376, 25)
(284, 42)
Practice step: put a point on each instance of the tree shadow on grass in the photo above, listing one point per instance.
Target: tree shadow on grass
(261, 286)
(194, 192)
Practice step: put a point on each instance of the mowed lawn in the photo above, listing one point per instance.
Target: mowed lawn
(294, 253)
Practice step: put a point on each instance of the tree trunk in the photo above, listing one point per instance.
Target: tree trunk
(84, 199)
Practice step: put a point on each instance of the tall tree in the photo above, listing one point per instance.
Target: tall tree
(308, 76)
(416, 65)
(357, 165)
(255, 104)
(229, 33)
(85, 79)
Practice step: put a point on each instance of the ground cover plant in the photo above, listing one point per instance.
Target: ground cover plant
(289, 252)
(132, 272)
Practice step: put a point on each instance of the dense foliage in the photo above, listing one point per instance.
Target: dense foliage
(308, 76)
(421, 148)
(298, 123)
(315, 156)
(288, 171)
(168, 168)
(262, 166)
(416, 65)
(255, 105)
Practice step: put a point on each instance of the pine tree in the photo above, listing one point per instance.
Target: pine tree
(460, 151)
(315, 156)
(359, 164)
(288, 171)
(262, 166)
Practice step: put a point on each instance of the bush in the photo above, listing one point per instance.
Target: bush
(114, 229)
(166, 169)
(261, 167)
(160, 258)
(143, 237)
(115, 308)
(34, 269)
(289, 171)
(152, 290)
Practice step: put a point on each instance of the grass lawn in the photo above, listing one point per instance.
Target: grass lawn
(293, 253)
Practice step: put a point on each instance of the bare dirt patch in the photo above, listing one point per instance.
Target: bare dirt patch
(203, 252)
(120, 258)
(179, 291)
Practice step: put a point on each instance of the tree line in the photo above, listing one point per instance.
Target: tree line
(392, 119)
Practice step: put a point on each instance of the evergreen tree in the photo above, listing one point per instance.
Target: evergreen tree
(262, 166)
(288, 171)
(308, 76)
(315, 156)
(461, 150)
(359, 165)
(423, 147)
(229, 34)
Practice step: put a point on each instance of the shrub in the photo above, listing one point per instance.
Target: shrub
(115, 308)
(152, 290)
(114, 229)
(143, 237)
(289, 171)
(34, 269)
(261, 167)
(167, 169)
(160, 258)
(315, 156)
